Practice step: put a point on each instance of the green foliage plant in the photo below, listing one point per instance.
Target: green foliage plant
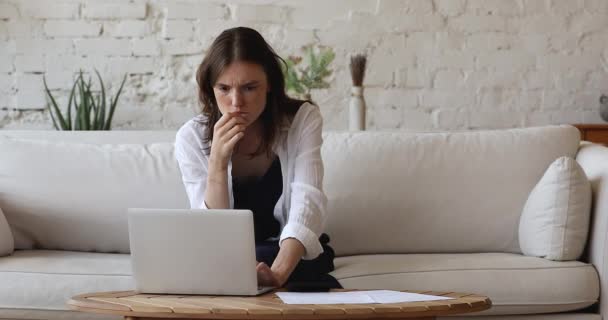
(92, 110)
(304, 74)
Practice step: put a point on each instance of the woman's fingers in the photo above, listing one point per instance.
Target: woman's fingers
(226, 133)
(223, 120)
(233, 136)
(265, 275)
(234, 130)
(220, 131)
(232, 142)
(260, 272)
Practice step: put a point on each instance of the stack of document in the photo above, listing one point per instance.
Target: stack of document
(370, 296)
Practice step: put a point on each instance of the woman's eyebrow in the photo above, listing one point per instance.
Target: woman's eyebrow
(249, 83)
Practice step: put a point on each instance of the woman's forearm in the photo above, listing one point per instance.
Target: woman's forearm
(216, 192)
(288, 258)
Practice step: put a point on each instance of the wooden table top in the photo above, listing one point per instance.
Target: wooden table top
(267, 306)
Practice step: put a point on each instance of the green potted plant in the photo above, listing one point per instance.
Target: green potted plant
(304, 74)
(92, 110)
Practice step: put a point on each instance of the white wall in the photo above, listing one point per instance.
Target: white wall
(433, 64)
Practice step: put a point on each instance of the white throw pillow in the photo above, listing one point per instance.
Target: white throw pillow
(555, 219)
(7, 244)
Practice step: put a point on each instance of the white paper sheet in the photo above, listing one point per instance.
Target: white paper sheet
(370, 296)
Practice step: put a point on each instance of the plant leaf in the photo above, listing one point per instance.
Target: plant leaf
(102, 107)
(92, 106)
(113, 104)
(94, 110)
(96, 120)
(312, 59)
(70, 101)
(82, 104)
(87, 105)
(52, 116)
(326, 58)
(55, 107)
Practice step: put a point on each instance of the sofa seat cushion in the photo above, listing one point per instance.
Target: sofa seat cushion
(46, 279)
(516, 284)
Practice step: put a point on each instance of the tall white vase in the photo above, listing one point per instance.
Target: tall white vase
(356, 110)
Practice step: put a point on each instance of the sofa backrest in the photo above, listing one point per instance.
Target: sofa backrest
(70, 190)
(435, 192)
(388, 192)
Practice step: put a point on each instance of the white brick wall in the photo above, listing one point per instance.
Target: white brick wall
(71, 28)
(145, 47)
(8, 11)
(433, 64)
(114, 10)
(472, 23)
(253, 13)
(108, 47)
(26, 28)
(29, 63)
(58, 10)
(450, 8)
(43, 46)
(7, 63)
(194, 11)
(178, 29)
(7, 84)
(127, 28)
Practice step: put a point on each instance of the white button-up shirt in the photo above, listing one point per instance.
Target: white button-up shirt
(301, 208)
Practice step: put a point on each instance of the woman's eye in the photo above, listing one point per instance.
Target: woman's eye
(249, 88)
(223, 89)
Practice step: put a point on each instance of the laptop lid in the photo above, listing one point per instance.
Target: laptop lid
(193, 251)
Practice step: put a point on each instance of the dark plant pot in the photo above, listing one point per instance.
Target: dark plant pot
(604, 107)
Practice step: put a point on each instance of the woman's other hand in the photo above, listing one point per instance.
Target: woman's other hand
(266, 277)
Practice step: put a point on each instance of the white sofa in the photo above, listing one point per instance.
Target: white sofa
(412, 211)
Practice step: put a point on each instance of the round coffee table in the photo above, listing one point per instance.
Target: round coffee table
(134, 306)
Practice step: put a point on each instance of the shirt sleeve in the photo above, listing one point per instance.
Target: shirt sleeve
(192, 164)
(306, 217)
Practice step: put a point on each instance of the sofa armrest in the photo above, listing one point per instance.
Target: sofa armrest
(593, 158)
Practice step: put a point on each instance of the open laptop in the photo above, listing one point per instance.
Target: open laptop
(192, 251)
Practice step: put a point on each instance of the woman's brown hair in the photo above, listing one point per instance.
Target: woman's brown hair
(247, 45)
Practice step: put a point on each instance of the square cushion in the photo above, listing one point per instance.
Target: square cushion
(555, 219)
(7, 244)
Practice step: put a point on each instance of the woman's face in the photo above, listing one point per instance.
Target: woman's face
(242, 89)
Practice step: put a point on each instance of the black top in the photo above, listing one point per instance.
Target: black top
(260, 195)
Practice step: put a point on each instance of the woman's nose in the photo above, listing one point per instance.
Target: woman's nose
(237, 100)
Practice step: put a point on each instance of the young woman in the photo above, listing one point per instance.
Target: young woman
(253, 147)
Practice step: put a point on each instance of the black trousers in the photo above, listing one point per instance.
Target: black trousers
(309, 275)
